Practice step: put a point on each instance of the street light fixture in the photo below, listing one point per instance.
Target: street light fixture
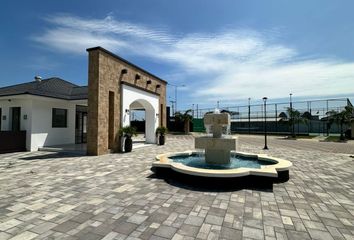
(176, 86)
(265, 123)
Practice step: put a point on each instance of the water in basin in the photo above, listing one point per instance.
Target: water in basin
(236, 161)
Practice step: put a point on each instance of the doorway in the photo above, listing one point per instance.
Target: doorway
(81, 125)
(15, 119)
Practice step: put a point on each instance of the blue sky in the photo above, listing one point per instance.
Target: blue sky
(221, 50)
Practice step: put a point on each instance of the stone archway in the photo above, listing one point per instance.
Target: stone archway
(113, 85)
(136, 98)
(149, 118)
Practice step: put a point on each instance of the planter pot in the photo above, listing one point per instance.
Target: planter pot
(120, 144)
(128, 144)
(162, 140)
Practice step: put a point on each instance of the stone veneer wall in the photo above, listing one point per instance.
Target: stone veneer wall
(105, 75)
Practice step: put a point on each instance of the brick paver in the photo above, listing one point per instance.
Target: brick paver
(56, 196)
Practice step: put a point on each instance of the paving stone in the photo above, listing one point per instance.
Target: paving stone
(24, 236)
(59, 196)
(42, 228)
(9, 224)
(188, 230)
(294, 235)
(195, 221)
(165, 232)
(137, 219)
(125, 228)
(214, 220)
(253, 233)
(229, 233)
(82, 217)
(65, 226)
(320, 235)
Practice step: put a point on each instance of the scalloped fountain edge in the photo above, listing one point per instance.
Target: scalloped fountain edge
(281, 165)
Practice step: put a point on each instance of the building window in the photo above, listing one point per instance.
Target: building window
(59, 118)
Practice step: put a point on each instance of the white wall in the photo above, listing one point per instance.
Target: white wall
(39, 120)
(151, 104)
(43, 134)
(25, 124)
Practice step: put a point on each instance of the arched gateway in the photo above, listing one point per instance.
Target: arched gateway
(115, 87)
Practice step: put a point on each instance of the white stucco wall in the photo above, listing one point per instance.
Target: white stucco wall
(25, 124)
(38, 124)
(43, 134)
(151, 104)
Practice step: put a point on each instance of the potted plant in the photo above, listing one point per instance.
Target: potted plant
(161, 131)
(127, 133)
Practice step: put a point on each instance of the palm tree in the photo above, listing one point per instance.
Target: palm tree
(341, 118)
(295, 117)
(186, 118)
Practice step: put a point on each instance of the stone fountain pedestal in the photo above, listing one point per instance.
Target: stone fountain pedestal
(217, 148)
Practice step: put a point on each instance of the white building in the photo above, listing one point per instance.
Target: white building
(51, 111)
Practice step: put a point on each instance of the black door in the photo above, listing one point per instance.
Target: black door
(81, 127)
(16, 118)
(0, 118)
(84, 128)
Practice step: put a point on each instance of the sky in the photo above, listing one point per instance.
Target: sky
(225, 50)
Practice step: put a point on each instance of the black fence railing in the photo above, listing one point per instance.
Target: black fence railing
(250, 118)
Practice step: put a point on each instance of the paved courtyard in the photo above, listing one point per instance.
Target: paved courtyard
(54, 196)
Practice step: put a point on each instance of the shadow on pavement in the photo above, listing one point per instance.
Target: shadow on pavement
(196, 183)
(52, 156)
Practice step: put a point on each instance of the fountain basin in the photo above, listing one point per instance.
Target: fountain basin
(271, 168)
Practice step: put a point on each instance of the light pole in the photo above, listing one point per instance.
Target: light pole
(176, 86)
(173, 108)
(265, 123)
(249, 115)
(292, 116)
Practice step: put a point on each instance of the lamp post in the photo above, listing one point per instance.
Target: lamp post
(292, 116)
(173, 108)
(265, 123)
(249, 115)
(176, 86)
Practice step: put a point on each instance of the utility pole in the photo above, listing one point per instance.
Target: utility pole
(249, 115)
(265, 123)
(176, 87)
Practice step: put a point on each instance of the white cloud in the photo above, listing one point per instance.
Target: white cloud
(229, 65)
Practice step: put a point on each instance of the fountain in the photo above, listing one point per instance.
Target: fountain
(217, 148)
(221, 160)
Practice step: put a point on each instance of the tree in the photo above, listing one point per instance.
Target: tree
(294, 117)
(341, 118)
(186, 118)
(308, 116)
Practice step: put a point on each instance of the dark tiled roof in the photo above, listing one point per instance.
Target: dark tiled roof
(51, 87)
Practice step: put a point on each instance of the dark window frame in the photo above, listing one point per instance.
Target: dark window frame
(59, 123)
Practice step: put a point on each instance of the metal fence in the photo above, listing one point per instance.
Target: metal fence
(250, 118)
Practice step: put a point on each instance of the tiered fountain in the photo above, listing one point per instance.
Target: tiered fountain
(217, 148)
(221, 159)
